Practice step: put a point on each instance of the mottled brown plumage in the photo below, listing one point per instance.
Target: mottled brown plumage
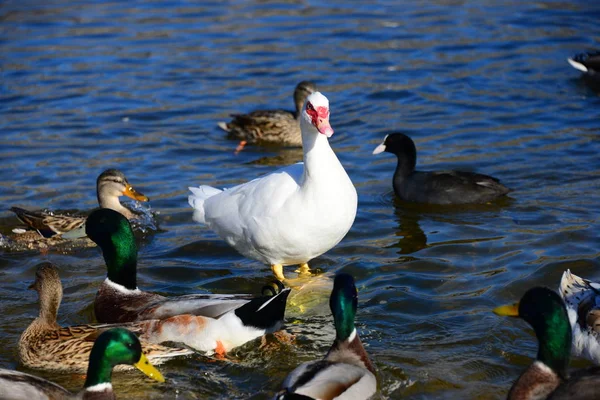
(271, 126)
(45, 345)
(110, 185)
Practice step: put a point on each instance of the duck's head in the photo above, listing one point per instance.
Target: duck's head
(545, 311)
(49, 287)
(113, 347)
(111, 231)
(316, 113)
(112, 184)
(402, 146)
(343, 303)
(302, 91)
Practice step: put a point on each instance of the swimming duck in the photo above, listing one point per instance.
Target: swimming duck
(547, 377)
(292, 215)
(439, 187)
(270, 126)
(210, 323)
(120, 300)
(346, 371)
(113, 347)
(588, 63)
(45, 345)
(582, 299)
(110, 185)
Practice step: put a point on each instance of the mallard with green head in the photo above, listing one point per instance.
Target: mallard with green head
(113, 347)
(49, 226)
(45, 345)
(582, 299)
(547, 377)
(211, 323)
(346, 373)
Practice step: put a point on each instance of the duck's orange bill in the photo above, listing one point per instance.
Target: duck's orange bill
(134, 194)
(511, 310)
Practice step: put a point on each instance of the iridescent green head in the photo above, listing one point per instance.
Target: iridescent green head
(343, 303)
(113, 347)
(545, 311)
(111, 231)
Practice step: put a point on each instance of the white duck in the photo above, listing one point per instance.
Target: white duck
(293, 214)
(582, 300)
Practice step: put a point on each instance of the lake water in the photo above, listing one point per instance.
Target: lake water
(480, 86)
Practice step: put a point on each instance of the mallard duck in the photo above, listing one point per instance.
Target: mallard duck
(346, 371)
(439, 187)
(292, 215)
(270, 126)
(113, 347)
(582, 299)
(45, 345)
(547, 377)
(208, 323)
(588, 63)
(110, 185)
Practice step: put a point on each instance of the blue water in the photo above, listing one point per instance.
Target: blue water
(480, 86)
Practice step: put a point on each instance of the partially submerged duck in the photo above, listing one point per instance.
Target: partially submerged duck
(547, 376)
(346, 372)
(46, 345)
(113, 347)
(50, 228)
(270, 126)
(436, 187)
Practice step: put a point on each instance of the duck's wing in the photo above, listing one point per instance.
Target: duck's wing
(15, 385)
(329, 380)
(265, 125)
(206, 305)
(582, 301)
(583, 385)
(235, 211)
(47, 223)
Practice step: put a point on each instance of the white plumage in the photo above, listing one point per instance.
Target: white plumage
(582, 300)
(293, 214)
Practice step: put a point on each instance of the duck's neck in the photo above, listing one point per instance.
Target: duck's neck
(319, 158)
(405, 167)
(350, 350)
(121, 263)
(49, 304)
(99, 371)
(113, 203)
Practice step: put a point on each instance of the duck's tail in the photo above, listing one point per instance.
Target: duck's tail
(197, 199)
(265, 312)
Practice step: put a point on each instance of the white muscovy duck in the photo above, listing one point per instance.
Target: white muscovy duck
(292, 215)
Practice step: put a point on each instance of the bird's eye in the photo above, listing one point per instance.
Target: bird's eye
(309, 106)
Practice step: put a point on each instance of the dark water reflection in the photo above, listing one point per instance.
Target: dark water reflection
(480, 86)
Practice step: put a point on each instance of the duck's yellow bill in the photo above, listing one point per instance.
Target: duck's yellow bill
(511, 310)
(149, 369)
(134, 194)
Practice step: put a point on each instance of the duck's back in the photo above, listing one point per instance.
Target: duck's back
(269, 126)
(448, 187)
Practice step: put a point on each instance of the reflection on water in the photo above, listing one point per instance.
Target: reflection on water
(481, 86)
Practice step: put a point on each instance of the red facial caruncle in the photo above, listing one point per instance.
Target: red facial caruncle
(319, 118)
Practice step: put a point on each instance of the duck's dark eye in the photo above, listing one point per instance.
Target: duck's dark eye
(309, 106)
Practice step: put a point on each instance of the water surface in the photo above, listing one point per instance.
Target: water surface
(482, 86)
